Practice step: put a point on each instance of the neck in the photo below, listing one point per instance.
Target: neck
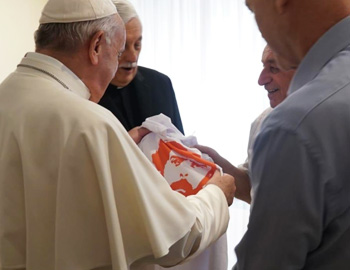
(74, 61)
(314, 18)
(83, 69)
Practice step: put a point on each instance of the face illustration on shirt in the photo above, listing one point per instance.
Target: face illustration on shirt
(185, 171)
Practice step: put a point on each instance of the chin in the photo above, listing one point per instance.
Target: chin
(125, 80)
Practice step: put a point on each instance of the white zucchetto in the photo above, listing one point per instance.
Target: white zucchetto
(67, 11)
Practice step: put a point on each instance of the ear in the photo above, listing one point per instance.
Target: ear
(95, 47)
(281, 6)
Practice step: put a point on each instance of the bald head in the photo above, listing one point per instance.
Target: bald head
(291, 27)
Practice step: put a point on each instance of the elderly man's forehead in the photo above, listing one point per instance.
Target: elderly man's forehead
(268, 55)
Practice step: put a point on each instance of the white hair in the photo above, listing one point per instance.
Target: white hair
(125, 10)
(71, 36)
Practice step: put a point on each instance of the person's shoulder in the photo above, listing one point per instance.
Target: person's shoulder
(98, 114)
(87, 114)
(286, 115)
(299, 111)
(152, 73)
(263, 115)
(323, 95)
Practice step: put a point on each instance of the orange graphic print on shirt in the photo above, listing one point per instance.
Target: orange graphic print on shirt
(186, 171)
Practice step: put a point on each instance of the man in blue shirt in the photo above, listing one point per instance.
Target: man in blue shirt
(300, 215)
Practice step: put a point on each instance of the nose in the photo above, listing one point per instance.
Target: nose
(264, 77)
(130, 54)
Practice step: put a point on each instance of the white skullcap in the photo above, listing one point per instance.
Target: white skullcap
(67, 11)
(125, 10)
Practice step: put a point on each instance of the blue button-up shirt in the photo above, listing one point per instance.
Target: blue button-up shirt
(300, 215)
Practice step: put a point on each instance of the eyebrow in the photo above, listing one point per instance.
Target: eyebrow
(269, 61)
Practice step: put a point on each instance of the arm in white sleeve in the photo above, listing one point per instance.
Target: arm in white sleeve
(210, 207)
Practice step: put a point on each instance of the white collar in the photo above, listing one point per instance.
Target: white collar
(57, 71)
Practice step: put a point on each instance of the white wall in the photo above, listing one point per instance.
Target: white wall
(19, 19)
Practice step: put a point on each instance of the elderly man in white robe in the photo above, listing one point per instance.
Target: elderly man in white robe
(75, 191)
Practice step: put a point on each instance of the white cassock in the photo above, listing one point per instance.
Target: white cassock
(76, 193)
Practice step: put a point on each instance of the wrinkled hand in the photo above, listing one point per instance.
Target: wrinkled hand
(212, 153)
(226, 183)
(137, 133)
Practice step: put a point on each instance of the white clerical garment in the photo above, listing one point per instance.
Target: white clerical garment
(76, 193)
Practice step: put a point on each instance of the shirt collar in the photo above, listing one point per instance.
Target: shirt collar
(334, 40)
(59, 70)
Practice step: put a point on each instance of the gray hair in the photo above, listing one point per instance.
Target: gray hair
(125, 9)
(71, 36)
